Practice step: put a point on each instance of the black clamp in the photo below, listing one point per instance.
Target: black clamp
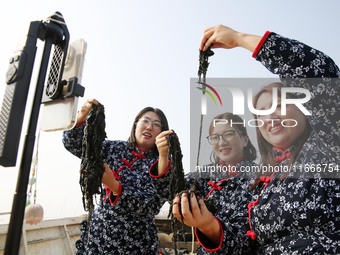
(72, 88)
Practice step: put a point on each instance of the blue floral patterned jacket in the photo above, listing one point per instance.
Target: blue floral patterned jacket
(125, 222)
(301, 213)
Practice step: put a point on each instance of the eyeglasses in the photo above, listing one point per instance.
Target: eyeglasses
(227, 136)
(155, 124)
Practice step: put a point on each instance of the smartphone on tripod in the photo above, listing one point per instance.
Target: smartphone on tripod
(61, 114)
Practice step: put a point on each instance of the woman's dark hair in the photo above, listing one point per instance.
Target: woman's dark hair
(162, 117)
(249, 151)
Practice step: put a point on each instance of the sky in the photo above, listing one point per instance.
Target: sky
(144, 53)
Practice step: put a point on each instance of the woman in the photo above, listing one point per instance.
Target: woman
(296, 212)
(222, 183)
(124, 223)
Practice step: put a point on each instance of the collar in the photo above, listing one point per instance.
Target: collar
(281, 155)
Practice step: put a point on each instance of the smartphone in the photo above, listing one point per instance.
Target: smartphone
(61, 114)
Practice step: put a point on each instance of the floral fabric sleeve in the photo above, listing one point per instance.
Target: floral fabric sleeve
(231, 242)
(72, 140)
(230, 196)
(293, 59)
(161, 182)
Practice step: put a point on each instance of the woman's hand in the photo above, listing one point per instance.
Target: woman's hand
(221, 36)
(193, 209)
(85, 110)
(194, 213)
(163, 150)
(162, 143)
(109, 180)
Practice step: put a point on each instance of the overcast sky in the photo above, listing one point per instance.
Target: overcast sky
(143, 53)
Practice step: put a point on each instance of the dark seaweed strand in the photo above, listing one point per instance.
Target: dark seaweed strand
(203, 64)
(202, 71)
(177, 180)
(178, 184)
(92, 170)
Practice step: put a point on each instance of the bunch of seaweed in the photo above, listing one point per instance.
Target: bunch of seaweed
(177, 182)
(178, 185)
(91, 170)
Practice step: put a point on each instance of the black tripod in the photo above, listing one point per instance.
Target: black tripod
(53, 32)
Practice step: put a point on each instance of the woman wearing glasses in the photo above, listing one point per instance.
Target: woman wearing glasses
(124, 223)
(224, 185)
(294, 212)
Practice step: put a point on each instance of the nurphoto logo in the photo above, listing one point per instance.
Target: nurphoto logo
(204, 90)
(238, 100)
